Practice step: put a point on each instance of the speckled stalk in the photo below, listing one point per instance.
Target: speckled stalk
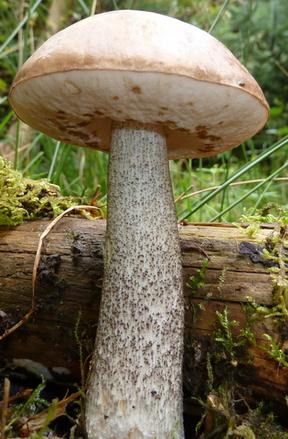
(135, 387)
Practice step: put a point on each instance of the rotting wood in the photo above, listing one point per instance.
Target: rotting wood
(69, 289)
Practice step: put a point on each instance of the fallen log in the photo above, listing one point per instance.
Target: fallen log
(69, 291)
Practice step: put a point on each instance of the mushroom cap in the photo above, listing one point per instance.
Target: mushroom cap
(135, 66)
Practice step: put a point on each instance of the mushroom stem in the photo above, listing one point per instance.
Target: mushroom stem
(136, 377)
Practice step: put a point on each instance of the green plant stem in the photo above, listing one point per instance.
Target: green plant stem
(20, 25)
(226, 176)
(2, 100)
(17, 145)
(275, 147)
(262, 195)
(84, 7)
(6, 120)
(93, 7)
(52, 166)
(243, 147)
(255, 188)
(32, 162)
(185, 196)
(218, 16)
(26, 34)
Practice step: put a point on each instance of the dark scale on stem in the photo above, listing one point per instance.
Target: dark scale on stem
(142, 292)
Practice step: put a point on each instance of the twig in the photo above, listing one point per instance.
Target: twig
(36, 422)
(24, 394)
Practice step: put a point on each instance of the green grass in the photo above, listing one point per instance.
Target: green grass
(83, 173)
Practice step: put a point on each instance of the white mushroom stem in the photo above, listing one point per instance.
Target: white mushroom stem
(135, 387)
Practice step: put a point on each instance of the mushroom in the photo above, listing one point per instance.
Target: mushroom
(144, 87)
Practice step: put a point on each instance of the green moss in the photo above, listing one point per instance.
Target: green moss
(252, 230)
(24, 199)
(271, 213)
(229, 342)
(230, 408)
(221, 409)
(275, 252)
(197, 281)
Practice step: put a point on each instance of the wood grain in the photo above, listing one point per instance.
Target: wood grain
(69, 291)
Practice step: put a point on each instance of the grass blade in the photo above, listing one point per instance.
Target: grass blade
(84, 7)
(218, 16)
(52, 166)
(268, 152)
(32, 162)
(17, 144)
(20, 25)
(254, 189)
(6, 120)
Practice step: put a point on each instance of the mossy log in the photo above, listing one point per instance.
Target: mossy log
(69, 290)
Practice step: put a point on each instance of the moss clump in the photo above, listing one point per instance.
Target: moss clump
(24, 199)
(274, 253)
(271, 213)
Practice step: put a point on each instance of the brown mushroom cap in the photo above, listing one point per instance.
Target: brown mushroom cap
(139, 66)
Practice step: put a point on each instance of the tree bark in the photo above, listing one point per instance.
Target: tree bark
(69, 290)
